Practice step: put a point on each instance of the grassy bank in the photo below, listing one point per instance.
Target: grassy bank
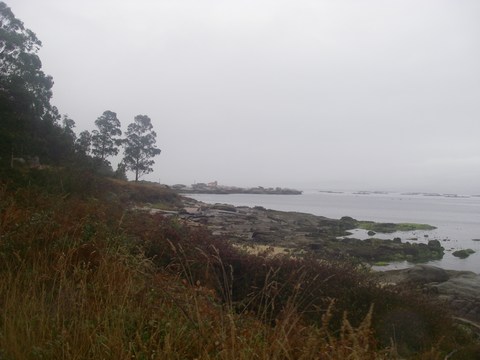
(82, 275)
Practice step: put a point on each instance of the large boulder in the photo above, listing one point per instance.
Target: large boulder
(423, 274)
(461, 283)
(419, 274)
(460, 290)
(463, 254)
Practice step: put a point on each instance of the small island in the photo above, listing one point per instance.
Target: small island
(214, 188)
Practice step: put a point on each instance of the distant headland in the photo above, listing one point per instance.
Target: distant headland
(215, 188)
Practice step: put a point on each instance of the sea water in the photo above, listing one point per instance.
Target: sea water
(457, 218)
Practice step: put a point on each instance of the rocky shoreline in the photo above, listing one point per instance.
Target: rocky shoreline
(224, 191)
(297, 233)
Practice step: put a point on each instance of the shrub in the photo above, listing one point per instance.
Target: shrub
(264, 284)
(83, 277)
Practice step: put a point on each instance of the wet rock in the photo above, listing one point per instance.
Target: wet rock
(224, 207)
(419, 274)
(293, 229)
(426, 274)
(434, 244)
(463, 283)
(459, 290)
(463, 254)
(348, 222)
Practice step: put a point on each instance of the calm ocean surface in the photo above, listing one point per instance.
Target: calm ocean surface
(457, 218)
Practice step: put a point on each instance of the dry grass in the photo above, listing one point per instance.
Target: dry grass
(75, 283)
(120, 310)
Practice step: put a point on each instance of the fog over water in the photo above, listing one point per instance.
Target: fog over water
(373, 95)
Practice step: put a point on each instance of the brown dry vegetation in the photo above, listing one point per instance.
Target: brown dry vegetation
(84, 277)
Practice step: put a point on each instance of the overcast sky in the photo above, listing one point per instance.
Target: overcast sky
(361, 95)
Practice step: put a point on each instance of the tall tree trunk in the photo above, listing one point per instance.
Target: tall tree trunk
(136, 172)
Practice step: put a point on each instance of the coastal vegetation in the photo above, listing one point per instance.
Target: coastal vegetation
(93, 266)
(85, 275)
(34, 133)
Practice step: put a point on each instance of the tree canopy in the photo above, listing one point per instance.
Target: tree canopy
(28, 120)
(140, 146)
(32, 128)
(20, 65)
(83, 143)
(106, 140)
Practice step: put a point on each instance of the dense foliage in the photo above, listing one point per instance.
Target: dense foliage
(28, 121)
(34, 133)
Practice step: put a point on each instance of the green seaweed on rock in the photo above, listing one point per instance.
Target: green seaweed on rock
(391, 227)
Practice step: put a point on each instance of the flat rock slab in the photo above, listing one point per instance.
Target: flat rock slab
(419, 274)
(463, 284)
